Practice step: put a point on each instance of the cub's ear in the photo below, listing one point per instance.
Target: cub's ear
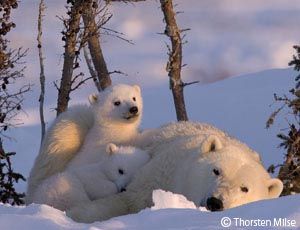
(137, 88)
(111, 148)
(275, 187)
(93, 98)
(211, 144)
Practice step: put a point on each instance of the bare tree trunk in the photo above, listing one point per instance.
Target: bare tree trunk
(175, 59)
(42, 72)
(69, 56)
(95, 48)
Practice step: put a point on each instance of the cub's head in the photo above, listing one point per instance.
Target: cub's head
(222, 176)
(118, 104)
(122, 164)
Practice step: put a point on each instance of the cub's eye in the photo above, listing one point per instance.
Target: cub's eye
(117, 103)
(121, 171)
(134, 99)
(216, 172)
(244, 189)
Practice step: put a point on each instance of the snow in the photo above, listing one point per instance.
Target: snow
(163, 200)
(170, 211)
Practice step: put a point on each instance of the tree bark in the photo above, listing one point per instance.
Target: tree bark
(69, 56)
(175, 59)
(95, 48)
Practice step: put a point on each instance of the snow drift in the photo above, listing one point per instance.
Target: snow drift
(171, 211)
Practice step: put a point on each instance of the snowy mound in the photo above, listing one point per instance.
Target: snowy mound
(164, 200)
(171, 211)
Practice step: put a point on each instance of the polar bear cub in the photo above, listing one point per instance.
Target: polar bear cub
(117, 113)
(92, 181)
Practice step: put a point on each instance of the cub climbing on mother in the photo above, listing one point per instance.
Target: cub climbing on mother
(76, 135)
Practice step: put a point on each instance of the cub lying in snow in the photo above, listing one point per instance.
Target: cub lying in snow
(92, 181)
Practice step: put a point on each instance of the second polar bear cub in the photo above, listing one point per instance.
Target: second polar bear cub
(93, 181)
(117, 115)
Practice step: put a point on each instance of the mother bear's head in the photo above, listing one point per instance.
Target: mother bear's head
(221, 175)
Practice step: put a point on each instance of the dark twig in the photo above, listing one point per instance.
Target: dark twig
(189, 83)
(81, 83)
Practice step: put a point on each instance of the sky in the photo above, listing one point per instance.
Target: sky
(226, 38)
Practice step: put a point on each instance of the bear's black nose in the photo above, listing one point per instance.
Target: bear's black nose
(214, 204)
(133, 110)
(123, 190)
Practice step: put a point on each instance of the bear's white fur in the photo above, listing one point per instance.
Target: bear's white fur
(195, 160)
(61, 142)
(82, 129)
(92, 181)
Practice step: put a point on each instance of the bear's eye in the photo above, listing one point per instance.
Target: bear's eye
(121, 171)
(117, 103)
(216, 172)
(133, 99)
(244, 189)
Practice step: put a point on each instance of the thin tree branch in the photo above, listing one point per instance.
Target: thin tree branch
(175, 59)
(42, 8)
(118, 72)
(115, 33)
(80, 83)
(184, 84)
(91, 67)
(55, 85)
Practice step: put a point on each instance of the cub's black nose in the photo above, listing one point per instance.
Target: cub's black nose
(123, 190)
(214, 204)
(133, 110)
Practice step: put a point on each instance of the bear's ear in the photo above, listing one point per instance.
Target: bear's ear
(93, 98)
(137, 88)
(211, 144)
(111, 148)
(275, 187)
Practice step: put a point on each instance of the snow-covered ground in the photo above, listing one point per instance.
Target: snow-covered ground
(268, 214)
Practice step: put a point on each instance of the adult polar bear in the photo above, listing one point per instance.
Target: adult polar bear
(114, 116)
(197, 160)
